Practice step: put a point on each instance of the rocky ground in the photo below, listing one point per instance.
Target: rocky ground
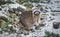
(40, 32)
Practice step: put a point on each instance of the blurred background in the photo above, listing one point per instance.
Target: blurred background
(10, 11)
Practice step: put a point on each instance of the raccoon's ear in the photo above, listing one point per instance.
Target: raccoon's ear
(40, 7)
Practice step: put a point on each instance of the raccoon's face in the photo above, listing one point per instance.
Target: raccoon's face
(36, 13)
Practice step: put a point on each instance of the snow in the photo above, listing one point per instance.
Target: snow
(38, 33)
(1, 14)
(16, 5)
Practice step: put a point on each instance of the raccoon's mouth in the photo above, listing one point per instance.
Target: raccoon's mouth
(36, 13)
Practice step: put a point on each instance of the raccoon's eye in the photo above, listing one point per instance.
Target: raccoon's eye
(36, 12)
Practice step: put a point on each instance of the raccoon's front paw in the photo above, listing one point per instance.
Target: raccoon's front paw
(26, 32)
(37, 27)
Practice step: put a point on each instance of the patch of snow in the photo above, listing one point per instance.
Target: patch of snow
(16, 5)
(1, 14)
